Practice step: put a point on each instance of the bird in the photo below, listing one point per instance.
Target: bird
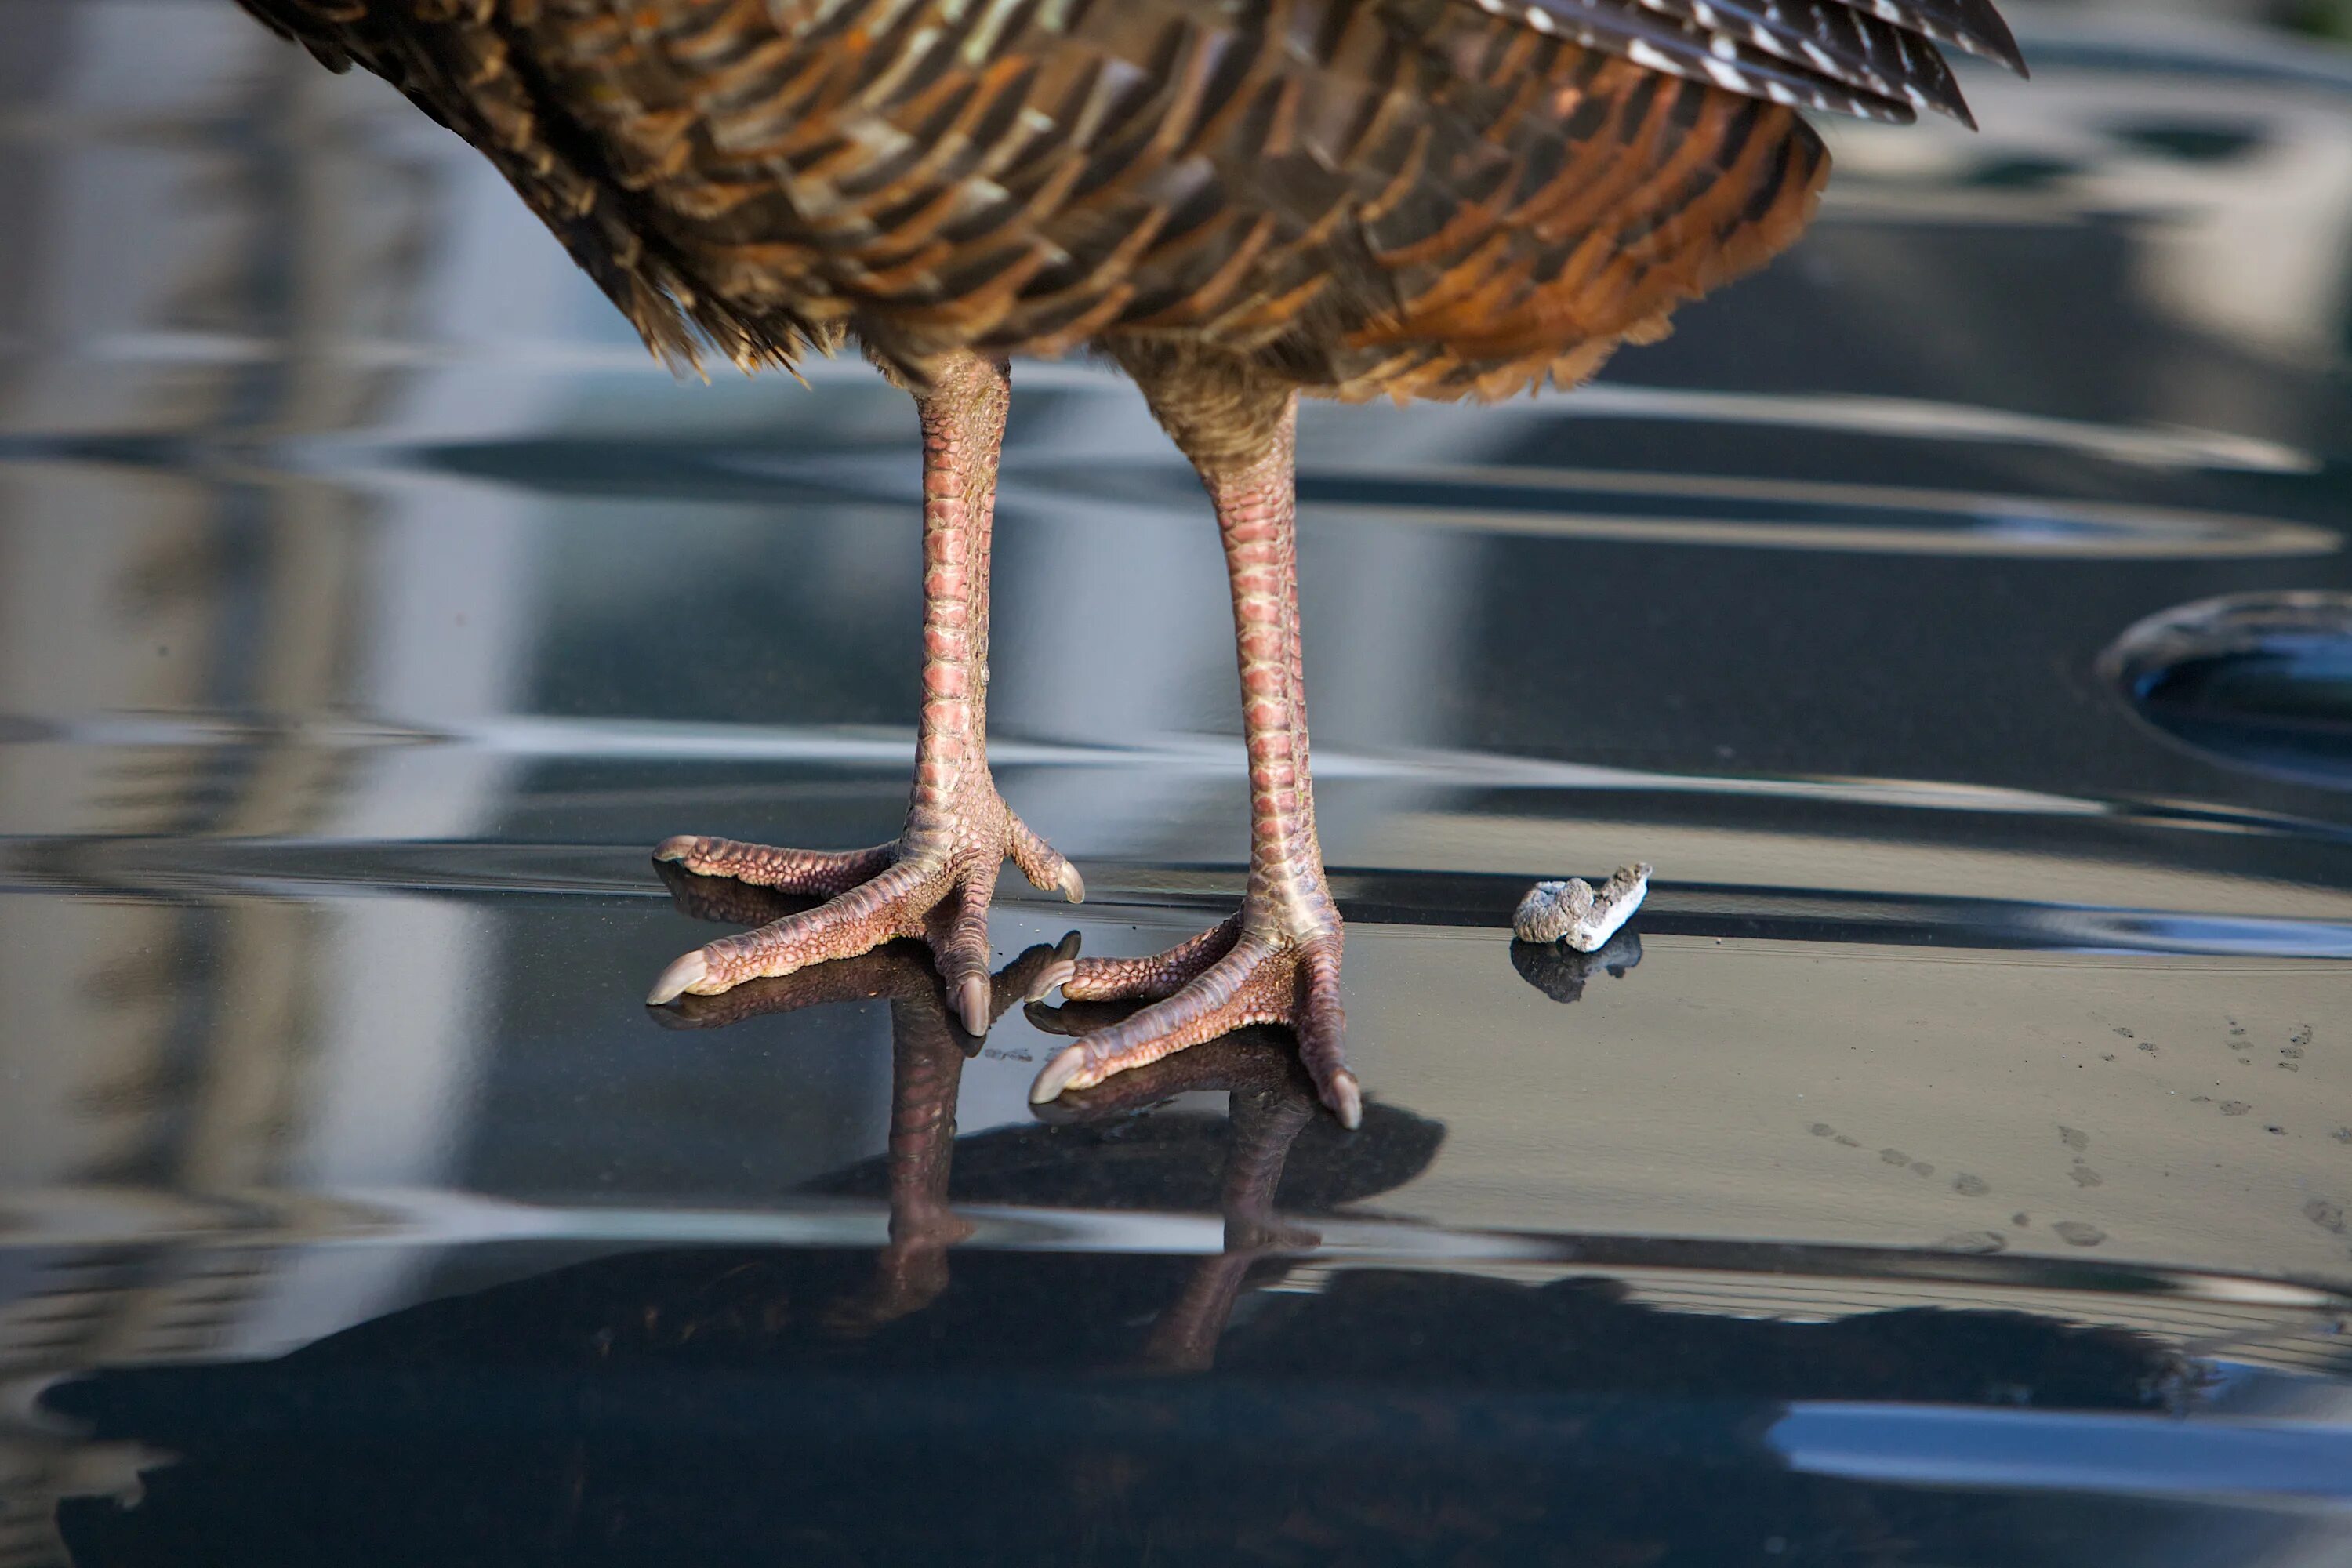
(1238, 203)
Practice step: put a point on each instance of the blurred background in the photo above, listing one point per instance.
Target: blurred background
(370, 604)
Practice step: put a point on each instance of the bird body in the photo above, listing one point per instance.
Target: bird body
(1239, 202)
(1410, 197)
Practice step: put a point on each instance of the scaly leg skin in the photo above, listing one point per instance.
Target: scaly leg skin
(935, 881)
(1277, 960)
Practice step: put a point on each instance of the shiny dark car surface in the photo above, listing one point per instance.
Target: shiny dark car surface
(1951, 1165)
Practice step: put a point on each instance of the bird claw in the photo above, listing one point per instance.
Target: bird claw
(1224, 980)
(935, 882)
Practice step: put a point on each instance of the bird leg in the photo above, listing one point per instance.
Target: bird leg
(1277, 960)
(936, 879)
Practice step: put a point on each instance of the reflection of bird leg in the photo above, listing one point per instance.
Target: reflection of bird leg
(1272, 1102)
(925, 1071)
(928, 1050)
(1265, 1122)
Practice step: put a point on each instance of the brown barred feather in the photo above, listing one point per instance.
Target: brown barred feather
(1408, 198)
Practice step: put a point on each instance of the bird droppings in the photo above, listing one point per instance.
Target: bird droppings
(2342, 1135)
(2084, 1176)
(1894, 1156)
(2075, 1138)
(2235, 1108)
(1969, 1187)
(2077, 1233)
(1823, 1130)
(1921, 1168)
(1578, 914)
(2127, 1034)
(2325, 1214)
(1974, 1241)
(2301, 1038)
(2022, 1221)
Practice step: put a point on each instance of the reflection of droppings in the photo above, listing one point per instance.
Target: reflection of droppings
(2075, 1233)
(1921, 1168)
(2325, 1215)
(2075, 1138)
(2084, 1176)
(1894, 1156)
(1973, 1241)
(1823, 1130)
(2342, 1135)
(2021, 1220)
(1969, 1187)
(1846, 1143)
(2235, 1108)
(2107, 1056)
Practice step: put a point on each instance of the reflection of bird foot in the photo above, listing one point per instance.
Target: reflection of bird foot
(1244, 971)
(935, 882)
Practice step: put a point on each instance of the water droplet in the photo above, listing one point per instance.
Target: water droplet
(1973, 1241)
(2261, 680)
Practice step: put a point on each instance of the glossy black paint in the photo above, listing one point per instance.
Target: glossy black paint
(1951, 1166)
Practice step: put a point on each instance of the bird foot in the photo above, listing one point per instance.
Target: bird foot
(1258, 967)
(935, 881)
